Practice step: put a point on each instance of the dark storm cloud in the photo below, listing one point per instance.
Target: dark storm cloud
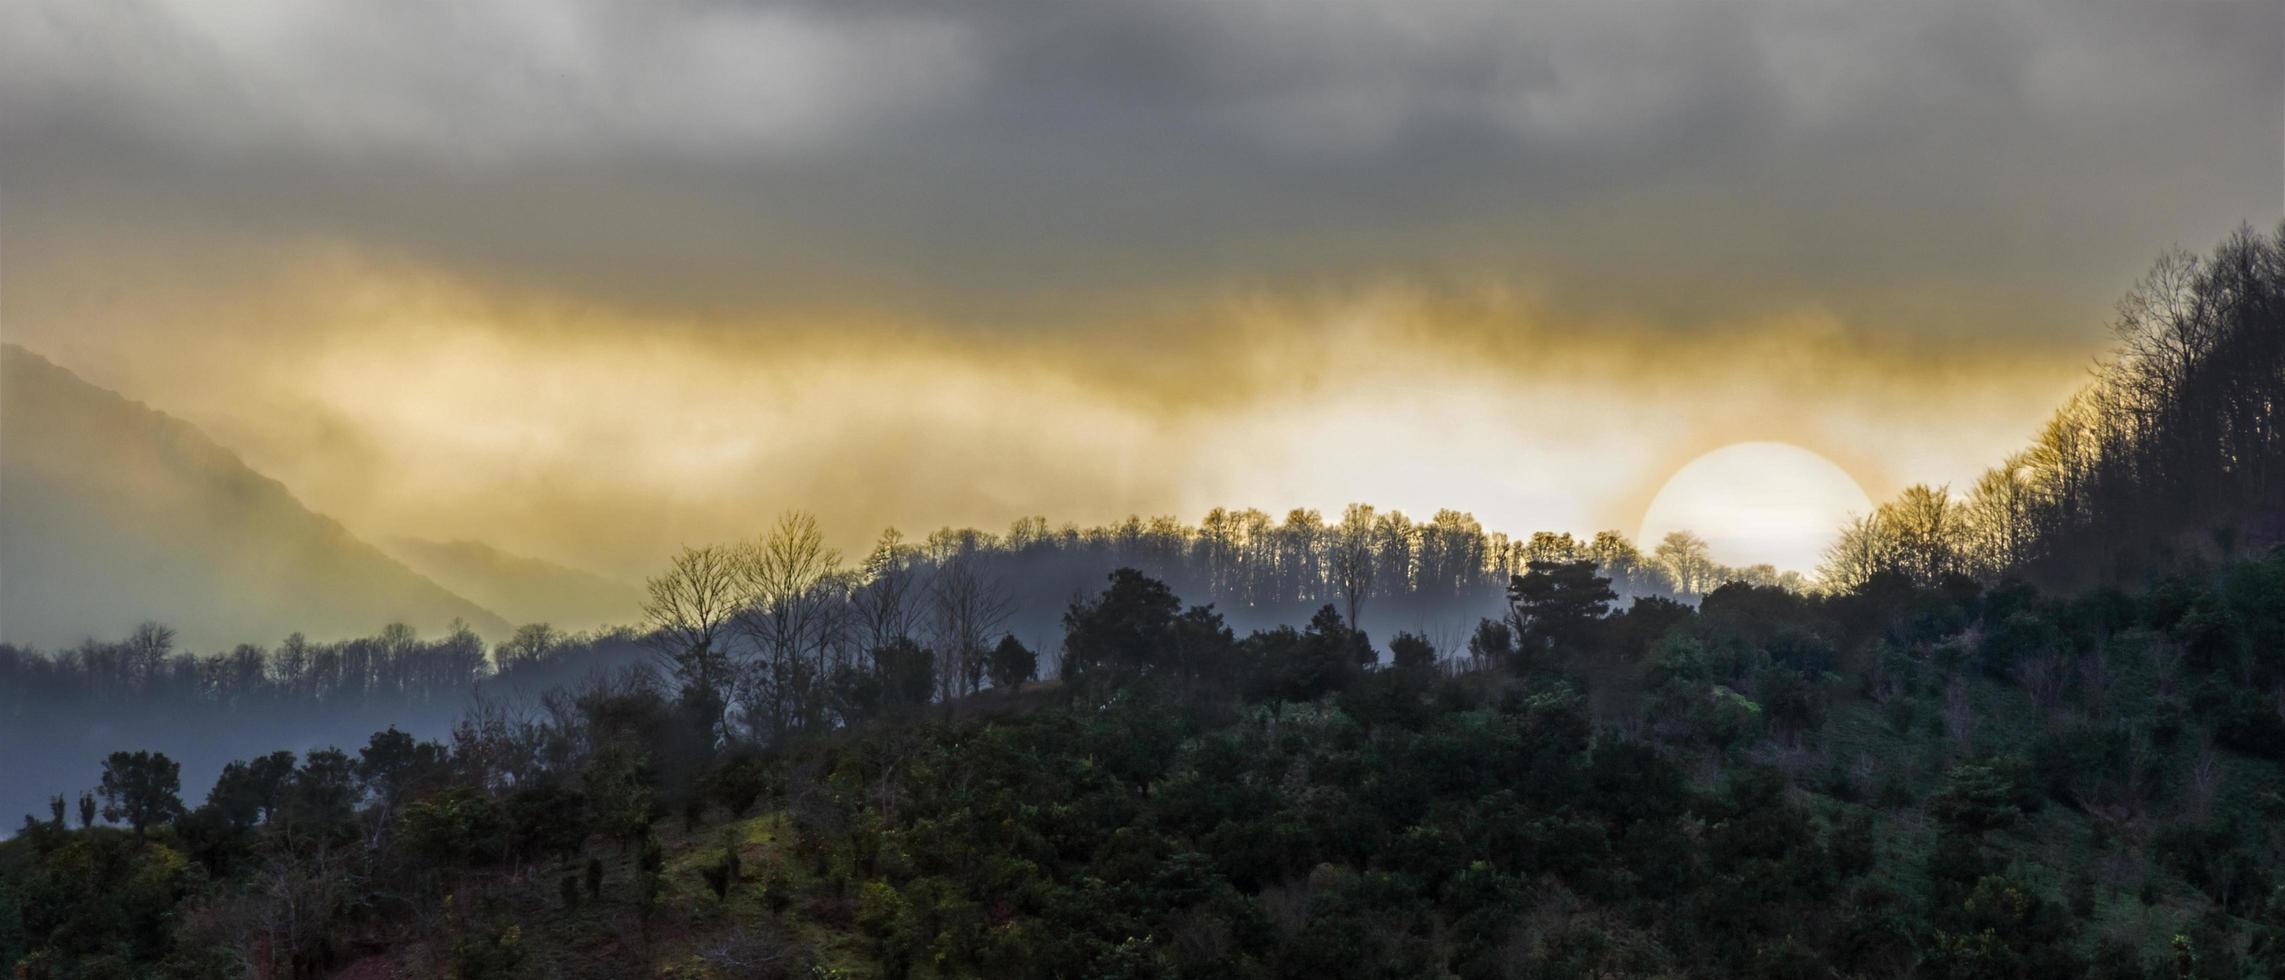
(1006, 150)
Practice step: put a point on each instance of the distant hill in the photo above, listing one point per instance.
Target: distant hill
(523, 589)
(112, 513)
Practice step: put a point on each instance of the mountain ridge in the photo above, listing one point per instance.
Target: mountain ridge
(116, 512)
(520, 587)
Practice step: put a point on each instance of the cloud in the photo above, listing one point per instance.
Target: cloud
(485, 85)
(1051, 255)
(412, 400)
(999, 151)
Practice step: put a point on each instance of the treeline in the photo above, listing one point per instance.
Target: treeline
(779, 634)
(796, 638)
(62, 712)
(2173, 453)
(1898, 780)
(1243, 559)
(393, 665)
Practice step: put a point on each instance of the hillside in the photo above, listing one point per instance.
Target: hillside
(112, 513)
(1896, 782)
(523, 589)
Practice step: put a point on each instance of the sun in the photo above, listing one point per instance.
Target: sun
(1757, 502)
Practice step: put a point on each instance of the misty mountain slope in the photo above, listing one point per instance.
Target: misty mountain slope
(112, 513)
(523, 589)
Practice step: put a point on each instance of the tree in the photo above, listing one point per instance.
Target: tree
(907, 673)
(321, 800)
(141, 789)
(1395, 543)
(1122, 634)
(688, 610)
(1352, 558)
(1684, 557)
(1492, 644)
(791, 613)
(1547, 547)
(1301, 666)
(1629, 571)
(966, 605)
(881, 605)
(1301, 557)
(1555, 605)
(1925, 527)
(1974, 799)
(393, 764)
(1855, 556)
(1012, 664)
(252, 791)
(1451, 553)
(145, 652)
(531, 643)
(1411, 654)
(1998, 514)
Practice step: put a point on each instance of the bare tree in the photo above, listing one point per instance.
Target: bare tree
(531, 642)
(793, 600)
(1301, 542)
(1926, 528)
(1860, 551)
(881, 605)
(967, 606)
(1685, 557)
(1630, 572)
(1395, 548)
(688, 610)
(1352, 559)
(1998, 513)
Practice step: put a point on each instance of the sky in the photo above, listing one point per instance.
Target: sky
(590, 279)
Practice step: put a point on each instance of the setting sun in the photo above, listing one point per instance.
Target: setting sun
(1757, 502)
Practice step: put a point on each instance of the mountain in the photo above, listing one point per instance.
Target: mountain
(525, 590)
(112, 513)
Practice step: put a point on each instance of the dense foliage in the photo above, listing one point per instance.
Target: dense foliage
(781, 635)
(1953, 782)
(63, 712)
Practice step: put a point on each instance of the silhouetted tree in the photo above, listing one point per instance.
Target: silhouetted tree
(1120, 635)
(393, 765)
(966, 605)
(1352, 558)
(792, 615)
(907, 673)
(1684, 557)
(1556, 605)
(531, 643)
(689, 610)
(1012, 664)
(251, 791)
(141, 789)
(2180, 431)
(1411, 653)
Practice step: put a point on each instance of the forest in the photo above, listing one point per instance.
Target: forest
(2032, 728)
